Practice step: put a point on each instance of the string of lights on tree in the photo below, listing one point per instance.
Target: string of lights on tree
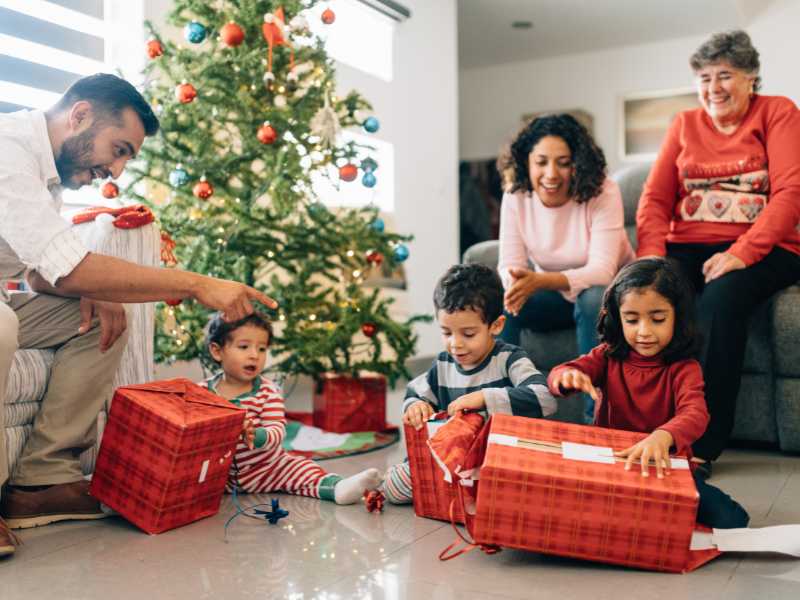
(248, 113)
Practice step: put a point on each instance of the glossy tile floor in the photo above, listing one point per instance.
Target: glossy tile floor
(327, 551)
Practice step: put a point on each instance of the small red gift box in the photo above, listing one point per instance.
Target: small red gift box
(432, 494)
(344, 404)
(556, 488)
(165, 454)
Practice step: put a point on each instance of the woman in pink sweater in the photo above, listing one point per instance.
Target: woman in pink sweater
(723, 199)
(562, 238)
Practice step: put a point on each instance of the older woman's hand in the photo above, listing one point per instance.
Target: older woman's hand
(721, 263)
(524, 285)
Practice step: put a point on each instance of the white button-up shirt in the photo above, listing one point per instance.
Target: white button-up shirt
(33, 235)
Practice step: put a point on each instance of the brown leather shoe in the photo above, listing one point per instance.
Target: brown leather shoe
(23, 508)
(8, 541)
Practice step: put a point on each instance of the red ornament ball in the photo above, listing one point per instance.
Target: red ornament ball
(348, 172)
(266, 134)
(185, 93)
(369, 329)
(328, 16)
(203, 190)
(374, 257)
(154, 48)
(231, 34)
(109, 190)
(174, 302)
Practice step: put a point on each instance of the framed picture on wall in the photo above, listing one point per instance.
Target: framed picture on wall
(645, 118)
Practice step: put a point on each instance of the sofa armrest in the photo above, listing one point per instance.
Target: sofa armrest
(483, 253)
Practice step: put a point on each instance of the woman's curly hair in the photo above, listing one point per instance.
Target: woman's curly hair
(588, 160)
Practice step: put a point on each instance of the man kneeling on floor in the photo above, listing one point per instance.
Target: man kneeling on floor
(95, 128)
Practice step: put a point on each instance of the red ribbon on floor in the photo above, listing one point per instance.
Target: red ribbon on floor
(374, 500)
(127, 217)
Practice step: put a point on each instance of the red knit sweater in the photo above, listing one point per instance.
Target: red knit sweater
(708, 187)
(644, 394)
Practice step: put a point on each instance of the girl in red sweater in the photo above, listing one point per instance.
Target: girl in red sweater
(643, 376)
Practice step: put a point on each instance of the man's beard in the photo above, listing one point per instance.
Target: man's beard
(76, 154)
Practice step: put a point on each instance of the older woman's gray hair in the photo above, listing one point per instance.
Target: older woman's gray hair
(733, 47)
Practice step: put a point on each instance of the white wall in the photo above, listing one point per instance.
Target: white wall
(418, 112)
(492, 100)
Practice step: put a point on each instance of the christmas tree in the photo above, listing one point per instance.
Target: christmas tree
(248, 114)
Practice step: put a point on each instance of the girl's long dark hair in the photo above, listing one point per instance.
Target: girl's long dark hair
(665, 277)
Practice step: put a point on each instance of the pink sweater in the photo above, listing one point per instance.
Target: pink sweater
(585, 242)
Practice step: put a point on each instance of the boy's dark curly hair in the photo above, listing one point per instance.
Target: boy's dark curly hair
(470, 287)
(665, 277)
(588, 160)
(219, 330)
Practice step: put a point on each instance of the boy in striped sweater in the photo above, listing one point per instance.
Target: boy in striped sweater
(260, 463)
(476, 371)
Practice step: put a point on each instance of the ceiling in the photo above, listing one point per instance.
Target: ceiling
(485, 35)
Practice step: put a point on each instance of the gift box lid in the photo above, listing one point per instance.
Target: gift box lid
(178, 401)
(580, 458)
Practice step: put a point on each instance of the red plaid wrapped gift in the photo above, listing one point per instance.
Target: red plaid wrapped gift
(344, 404)
(432, 491)
(165, 454)
(556, 488)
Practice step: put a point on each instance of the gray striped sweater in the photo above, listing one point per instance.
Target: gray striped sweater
(509, 380)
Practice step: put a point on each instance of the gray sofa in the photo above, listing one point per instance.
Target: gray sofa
(768, 406)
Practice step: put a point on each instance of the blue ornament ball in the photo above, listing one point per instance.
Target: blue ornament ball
(368, 165)
(194, 32)
(317, 209)
(369, 180)
(378, 225)
(401, 252)
(178, 177)
(371, 124)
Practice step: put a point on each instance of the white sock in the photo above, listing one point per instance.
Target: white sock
(350, 489)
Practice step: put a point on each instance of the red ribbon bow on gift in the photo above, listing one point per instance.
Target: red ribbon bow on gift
(374, 499)
(127, 217)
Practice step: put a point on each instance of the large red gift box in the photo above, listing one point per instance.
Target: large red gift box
(165, 454)
(432, 494)
(556, 488)
(344, 404)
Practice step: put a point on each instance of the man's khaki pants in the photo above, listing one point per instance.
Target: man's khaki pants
(79, 384)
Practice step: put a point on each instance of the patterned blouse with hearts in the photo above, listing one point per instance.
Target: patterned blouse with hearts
(710, 187)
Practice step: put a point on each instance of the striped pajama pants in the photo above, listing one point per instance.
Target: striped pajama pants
(397, 484)
(281, 472)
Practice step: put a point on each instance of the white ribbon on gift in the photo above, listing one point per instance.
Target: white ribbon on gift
(572, 450)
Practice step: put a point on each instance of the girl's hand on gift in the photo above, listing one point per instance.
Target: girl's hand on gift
(471, 401)
(573, 379)
(656, 447)
(524, 284)
(249, 433)
(417, 414)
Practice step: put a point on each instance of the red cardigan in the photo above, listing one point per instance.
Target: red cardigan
(708, 187)
(644, 394)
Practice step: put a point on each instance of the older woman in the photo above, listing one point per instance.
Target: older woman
(723, 199)
(563, 215)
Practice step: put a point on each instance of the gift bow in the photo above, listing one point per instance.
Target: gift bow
(127, 217)
(374, 499)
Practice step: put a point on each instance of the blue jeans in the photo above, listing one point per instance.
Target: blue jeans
(548, 311)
